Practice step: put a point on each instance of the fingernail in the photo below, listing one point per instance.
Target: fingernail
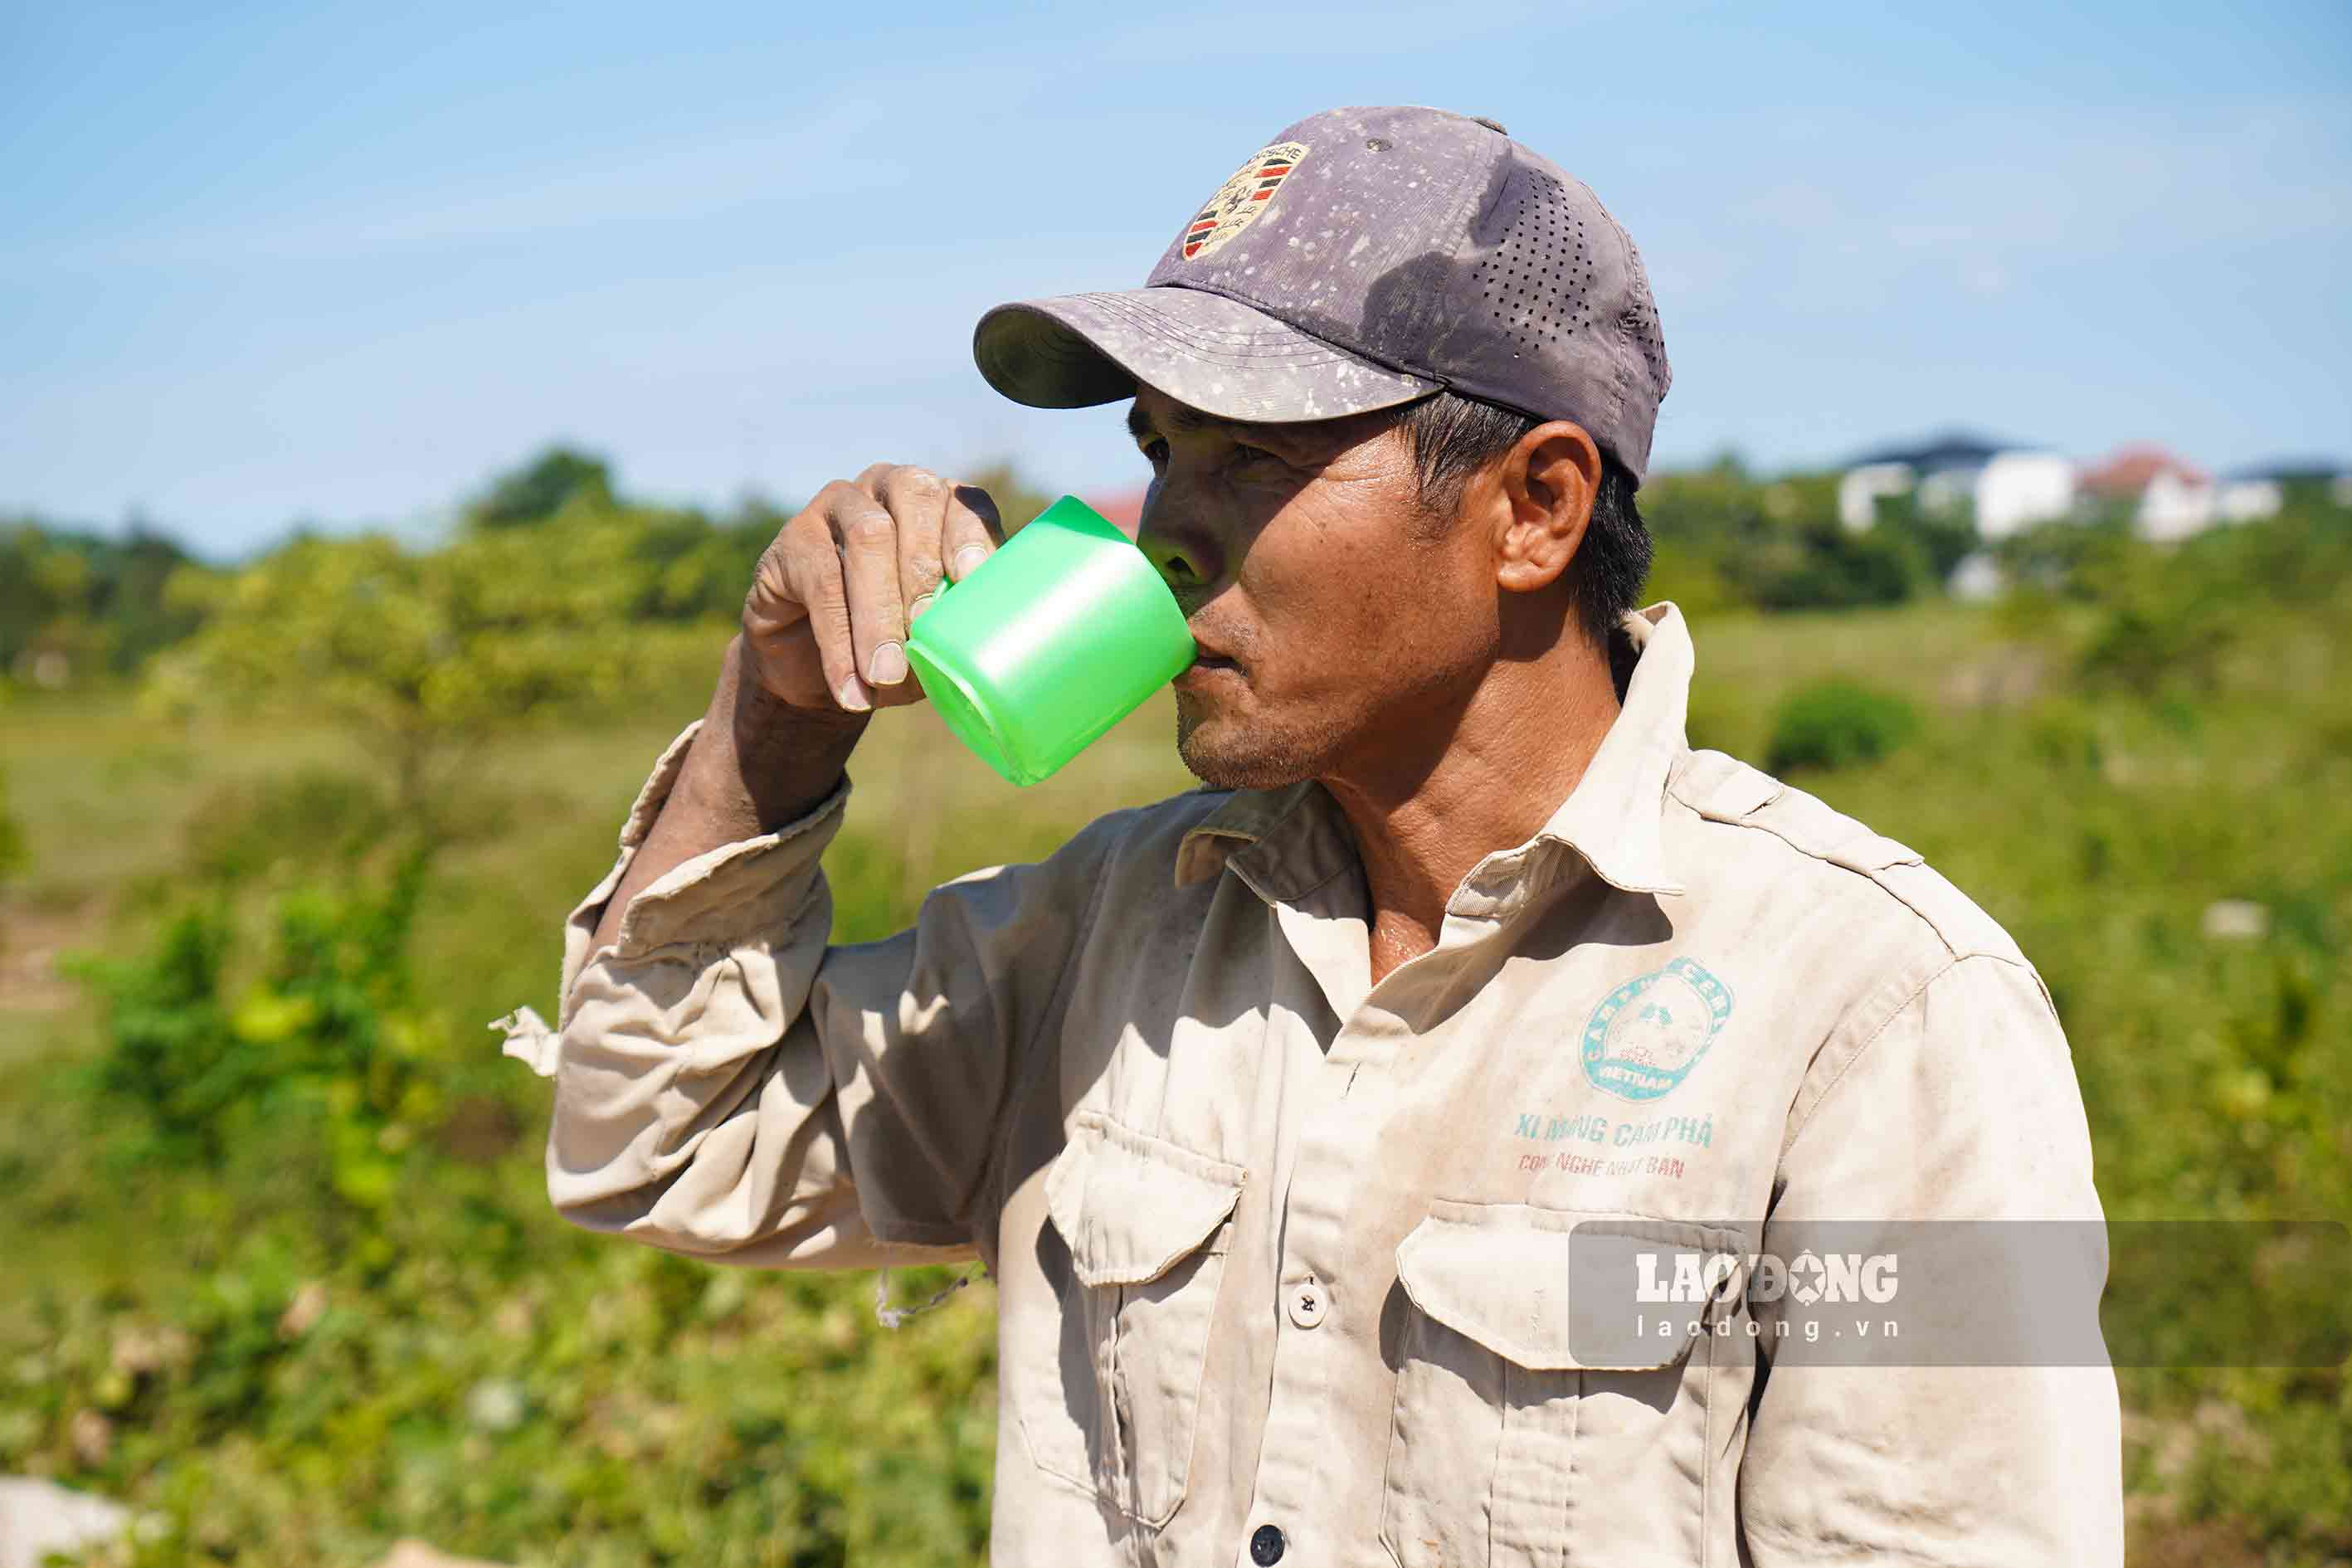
(968, 559)
(889, 664)
(921, 604)
(851, 694)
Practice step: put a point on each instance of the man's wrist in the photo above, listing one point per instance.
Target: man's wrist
(758, 762)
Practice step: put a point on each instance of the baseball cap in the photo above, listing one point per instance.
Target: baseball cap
(1364, 259)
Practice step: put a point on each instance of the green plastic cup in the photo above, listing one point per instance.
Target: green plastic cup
(1055, 638)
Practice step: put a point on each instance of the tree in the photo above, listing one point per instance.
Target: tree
(96, 600)
(558, 478)
(423, 655)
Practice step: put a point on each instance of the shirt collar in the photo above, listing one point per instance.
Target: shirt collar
(1285, 841)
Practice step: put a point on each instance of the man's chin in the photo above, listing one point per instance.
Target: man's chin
(1223, 755)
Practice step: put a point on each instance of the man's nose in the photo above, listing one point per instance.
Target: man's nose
(1186, 552)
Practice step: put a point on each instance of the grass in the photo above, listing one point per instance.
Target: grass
(289, 1383)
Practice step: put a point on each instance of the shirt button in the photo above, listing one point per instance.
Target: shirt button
(1266, 1546)
(1306, 1304)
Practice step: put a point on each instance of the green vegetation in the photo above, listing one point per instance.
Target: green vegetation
(1729, 538)
(11, 838)
(1836, 723)
(92, 604)
(280, 1266)
(423, 655)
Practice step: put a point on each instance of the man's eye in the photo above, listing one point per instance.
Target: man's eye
(1156, 451)
(1248, 453)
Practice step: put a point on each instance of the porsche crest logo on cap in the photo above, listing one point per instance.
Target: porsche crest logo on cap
(1240, 199)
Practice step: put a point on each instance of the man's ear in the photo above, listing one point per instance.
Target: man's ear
(1547, 482)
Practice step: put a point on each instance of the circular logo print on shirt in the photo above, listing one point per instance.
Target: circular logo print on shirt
(1647, 1034)
(1240, 199)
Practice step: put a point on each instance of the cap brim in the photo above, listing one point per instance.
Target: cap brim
(1209, 353)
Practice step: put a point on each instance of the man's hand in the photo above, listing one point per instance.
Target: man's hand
(825, 631)
(825, 626)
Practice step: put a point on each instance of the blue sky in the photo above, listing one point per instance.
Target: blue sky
(266, 263)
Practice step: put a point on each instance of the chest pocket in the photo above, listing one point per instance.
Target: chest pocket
(1148, 1224)
(1541, 1415)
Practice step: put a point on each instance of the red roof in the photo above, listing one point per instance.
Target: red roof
(2128, 470)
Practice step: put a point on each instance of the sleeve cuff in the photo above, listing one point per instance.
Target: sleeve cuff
(720, 896)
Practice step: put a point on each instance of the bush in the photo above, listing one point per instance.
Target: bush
(97, 601)
(2166, 621)
(11, 838)
(1835, 723)
(324, 1035)
(1779, 543)
(303, 819)
(299, 1293)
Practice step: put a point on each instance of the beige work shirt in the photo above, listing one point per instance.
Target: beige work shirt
(1279, 1253)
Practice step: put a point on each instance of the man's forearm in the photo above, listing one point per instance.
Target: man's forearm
(756, 764)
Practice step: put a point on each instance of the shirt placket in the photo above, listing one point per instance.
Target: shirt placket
(1310, 1503)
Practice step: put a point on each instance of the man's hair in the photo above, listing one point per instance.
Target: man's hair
(1453, 436)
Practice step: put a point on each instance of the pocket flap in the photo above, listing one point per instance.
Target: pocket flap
(1130, 1204)
(1508, 1276)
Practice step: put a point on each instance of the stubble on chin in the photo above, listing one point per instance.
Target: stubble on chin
(1228, 756)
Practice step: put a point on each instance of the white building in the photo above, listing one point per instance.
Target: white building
(1860, 489)
(2256, 492)
(2248, 499)
(2168, 496)
(2007, 488)
(2018, 489)
(2174, 506)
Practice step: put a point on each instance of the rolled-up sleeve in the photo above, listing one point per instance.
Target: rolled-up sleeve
(730, 1085)
(1953, 1129)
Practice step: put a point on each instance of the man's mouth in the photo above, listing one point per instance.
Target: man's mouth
(1205, 666)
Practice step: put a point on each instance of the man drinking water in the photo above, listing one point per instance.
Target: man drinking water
(1274, 1108)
